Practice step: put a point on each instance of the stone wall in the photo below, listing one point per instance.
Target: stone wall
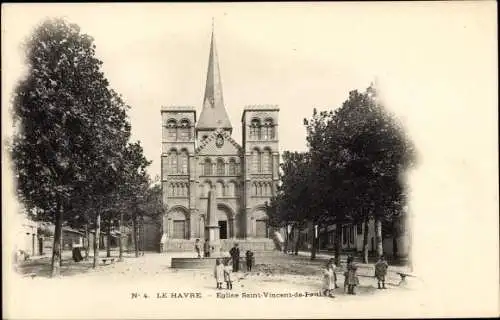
(256, 245)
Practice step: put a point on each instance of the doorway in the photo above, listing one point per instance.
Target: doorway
(223, 229)
(179, 229)
(261, 229)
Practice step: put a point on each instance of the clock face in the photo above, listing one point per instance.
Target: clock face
(219, 142)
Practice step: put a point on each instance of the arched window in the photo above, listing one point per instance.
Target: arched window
(172, 163)
(255, 192)
(172, 130)
(165, 166)
(260, 189)
(266, 161)
(207, 167)
(232, 167)
(183, 162)
(220, 167)
(219, 189)
(185, 130)
(268, 133)
(255, 129)
(256, 161)
(231, 189)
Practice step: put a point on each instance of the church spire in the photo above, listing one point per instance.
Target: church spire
(213, 114)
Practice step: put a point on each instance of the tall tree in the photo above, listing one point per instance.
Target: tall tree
(328, 174)
(291, 205)
(133, 184)
(379, 153)
(63, 112)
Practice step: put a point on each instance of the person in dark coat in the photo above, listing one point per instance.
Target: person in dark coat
(351, 276)
(206, 249)
(235, 255)
(249, 260)
(381, 271)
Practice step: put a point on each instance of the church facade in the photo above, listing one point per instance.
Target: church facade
(199, 155)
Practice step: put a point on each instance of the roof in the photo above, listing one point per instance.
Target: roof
(178, 108)
(259, 107)
(213, 114)
(269, 107)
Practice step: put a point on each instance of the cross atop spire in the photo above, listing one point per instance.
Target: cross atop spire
(213, 114)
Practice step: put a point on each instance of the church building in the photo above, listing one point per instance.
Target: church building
(199, 155)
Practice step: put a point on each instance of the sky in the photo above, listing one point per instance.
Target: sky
(436, 65)
(294, 55)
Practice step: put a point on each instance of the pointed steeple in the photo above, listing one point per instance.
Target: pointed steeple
(213, 114)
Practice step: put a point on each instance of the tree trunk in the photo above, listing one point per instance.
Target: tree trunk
(108, 240)
(338, 236)
(296, 238)
(409, 233)
(40, 245)
(96, 239)
(314, 244)
(143, 236)
(87, 243)
(120, 239)
(365, 240)
(378, 237)
(57, 247)
(395, 235)
(136, 245)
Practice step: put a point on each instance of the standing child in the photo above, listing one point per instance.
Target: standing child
(197, 247)
(351, 276)
(219, 273)
(249, 260)
(329, 279)
(227, 274)
(381, 271)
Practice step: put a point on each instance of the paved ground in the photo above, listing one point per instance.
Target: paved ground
(108, 290)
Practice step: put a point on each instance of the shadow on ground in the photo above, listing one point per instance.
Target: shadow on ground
(42, 267)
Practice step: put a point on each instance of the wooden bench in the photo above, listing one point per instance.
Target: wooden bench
(111, 260)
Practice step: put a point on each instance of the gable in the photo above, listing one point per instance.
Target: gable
(212, 146)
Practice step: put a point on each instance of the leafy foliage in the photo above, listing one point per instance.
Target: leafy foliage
(71, 152)
(354, 169)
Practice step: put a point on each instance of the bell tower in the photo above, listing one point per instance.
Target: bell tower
(261, 164)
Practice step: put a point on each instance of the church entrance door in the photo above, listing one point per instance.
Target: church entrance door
(223, 229)
(179, 229)
(261, 229)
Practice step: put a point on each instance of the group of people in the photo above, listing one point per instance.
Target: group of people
(225, 266)
(351, 280)
(222, 273)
